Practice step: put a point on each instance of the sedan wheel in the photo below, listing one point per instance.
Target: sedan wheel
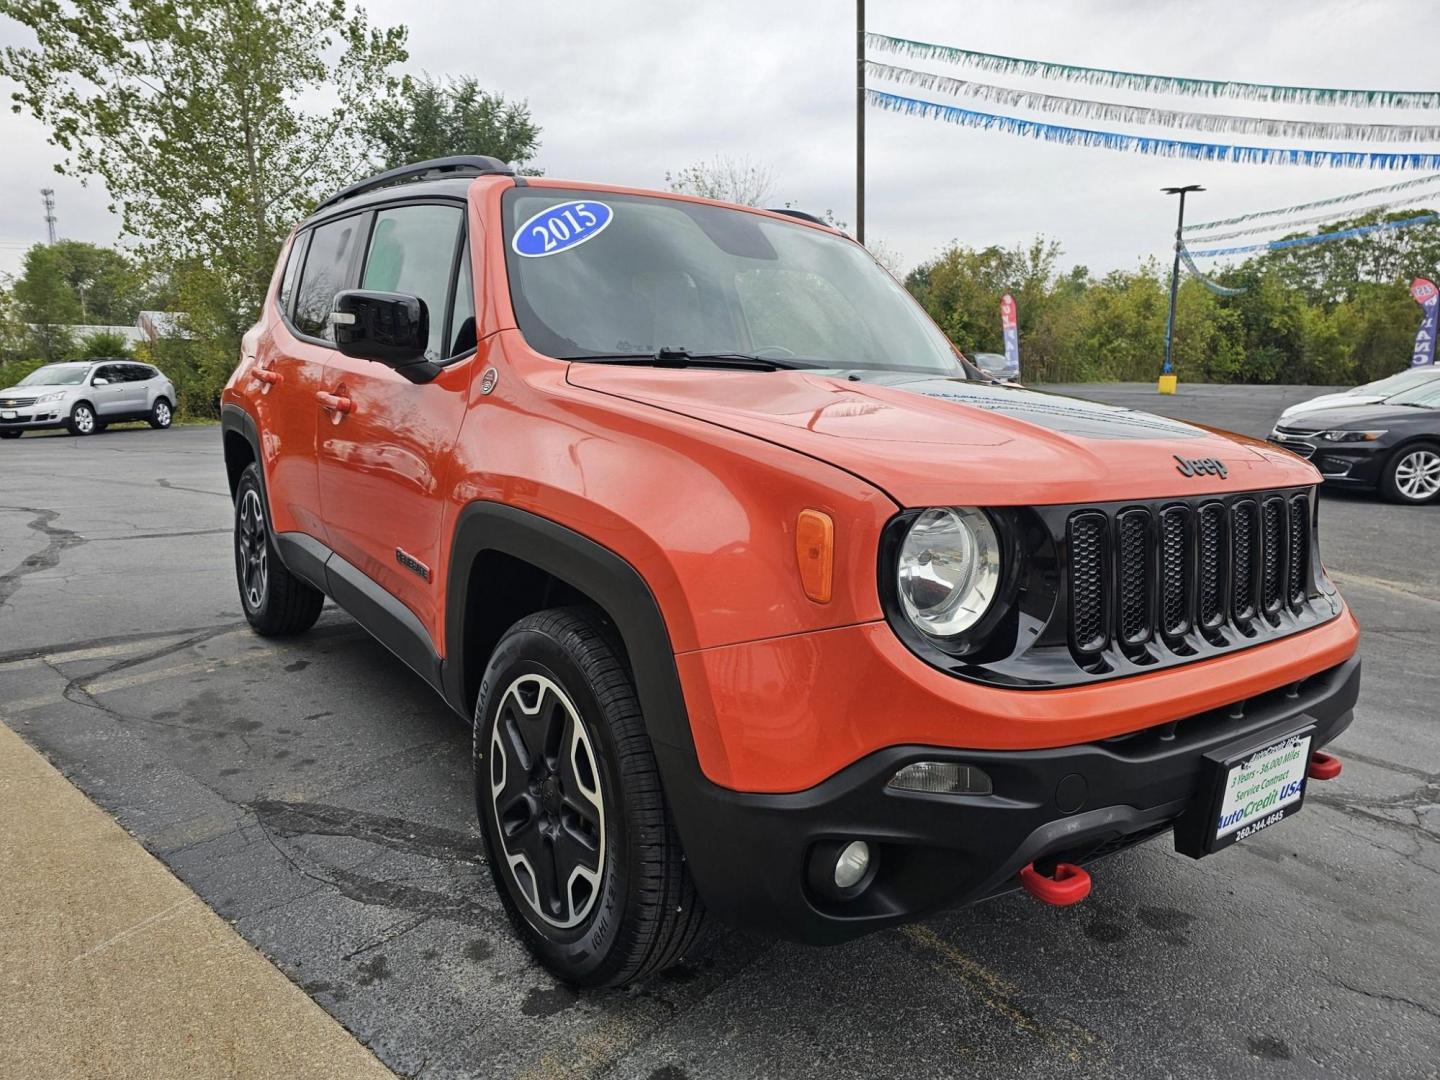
(1414, 475)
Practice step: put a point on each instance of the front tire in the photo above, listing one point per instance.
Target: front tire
(162, 415)
(578, 834)
(11, 434)
(1412, 475)
(82, 419)
(276, 602)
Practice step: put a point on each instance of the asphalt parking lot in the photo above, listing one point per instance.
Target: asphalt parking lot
(317, 795)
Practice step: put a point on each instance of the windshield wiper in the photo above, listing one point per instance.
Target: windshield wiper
(668, 356)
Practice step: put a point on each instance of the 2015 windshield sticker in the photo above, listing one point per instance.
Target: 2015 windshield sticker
(561, 227)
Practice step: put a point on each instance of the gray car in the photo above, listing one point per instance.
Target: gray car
(85, 396)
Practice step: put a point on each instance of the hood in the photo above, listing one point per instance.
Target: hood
(1360, 416)
(929, 440)
(30, 391)
(1330, 401)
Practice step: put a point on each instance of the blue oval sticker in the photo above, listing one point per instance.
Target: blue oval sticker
(561, 227)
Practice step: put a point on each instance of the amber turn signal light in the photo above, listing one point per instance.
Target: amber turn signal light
(815, 552)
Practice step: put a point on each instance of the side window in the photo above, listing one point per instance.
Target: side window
(292, 271)
(412, 250)
(327, 271)
(107, 372)
(462, 322)
(136, 373)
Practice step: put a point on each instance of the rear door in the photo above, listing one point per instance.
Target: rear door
(137, 388)
(382, 462)
(292, 352)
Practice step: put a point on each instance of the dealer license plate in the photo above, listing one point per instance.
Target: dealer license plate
(1246, 792)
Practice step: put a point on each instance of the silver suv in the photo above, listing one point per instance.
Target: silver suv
(85, 396)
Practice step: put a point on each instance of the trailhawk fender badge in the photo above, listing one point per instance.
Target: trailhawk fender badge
(414, 565)
(1200, 466)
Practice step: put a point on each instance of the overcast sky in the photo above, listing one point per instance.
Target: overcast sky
(628, 90)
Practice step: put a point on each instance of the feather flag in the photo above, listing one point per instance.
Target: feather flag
(1319, 238)
(1156, 84)
(1334, 200)
(1145, 144)
(1113, 112)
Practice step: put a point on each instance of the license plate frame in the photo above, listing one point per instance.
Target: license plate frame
(1270, 770)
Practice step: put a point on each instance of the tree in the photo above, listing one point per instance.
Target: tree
(102, 343)
(430, 118)
(86, 282)
(46, 305)
(194, 115)
(735, 180)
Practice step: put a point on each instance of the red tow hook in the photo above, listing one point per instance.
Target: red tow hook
(1323, 766)
(1070, 884)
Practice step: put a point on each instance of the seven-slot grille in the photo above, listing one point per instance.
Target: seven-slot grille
(1166, 570)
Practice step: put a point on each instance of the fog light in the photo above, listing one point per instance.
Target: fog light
(851, 866)
(943, 778)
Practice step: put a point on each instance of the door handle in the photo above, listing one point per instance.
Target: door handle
(270, 378)
(334, 402)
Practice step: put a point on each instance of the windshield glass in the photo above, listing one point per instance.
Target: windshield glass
(1393, 384)
(1427, 394)
(56, 375)
(607, 275)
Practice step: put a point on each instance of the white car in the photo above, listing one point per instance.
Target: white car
(85, 396)
(1367, 394)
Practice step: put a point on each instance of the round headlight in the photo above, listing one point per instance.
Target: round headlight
(949, 570)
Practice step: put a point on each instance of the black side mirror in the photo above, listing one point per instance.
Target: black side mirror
(390, 328)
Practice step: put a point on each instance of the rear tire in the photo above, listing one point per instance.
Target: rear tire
(573, 788)
(162, 415)
(276, 602)
(82, 419)
(1412, 475)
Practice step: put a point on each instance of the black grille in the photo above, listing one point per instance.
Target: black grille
(1299, 550)
(1175, 570)
(1183, 571)
(1087, 582)
(1272, 574)
(1134, 546)
(1211, 590)
(1243, 535)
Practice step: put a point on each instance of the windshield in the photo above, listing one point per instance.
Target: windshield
(1426, 394)
(56, 375)
(623, 275)
(1393, 384)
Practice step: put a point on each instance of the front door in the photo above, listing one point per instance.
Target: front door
(109, 390)
(382, 460)
(291, 352)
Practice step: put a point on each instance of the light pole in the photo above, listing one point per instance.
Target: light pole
(860, 121)
(1174, 286)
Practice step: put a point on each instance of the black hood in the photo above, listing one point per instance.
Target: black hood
(1360, 417)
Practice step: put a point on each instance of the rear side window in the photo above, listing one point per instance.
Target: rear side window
(292, 271)
(412, 251)
(327, 271)
(136, 373)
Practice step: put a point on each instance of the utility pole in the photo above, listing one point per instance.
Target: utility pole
(1169, 368)
(860, 120)
(48, 195)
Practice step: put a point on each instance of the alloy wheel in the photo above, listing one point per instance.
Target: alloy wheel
(84, 419)
(253, 550)
(162, 414)
(1417, 475)
(545, 788)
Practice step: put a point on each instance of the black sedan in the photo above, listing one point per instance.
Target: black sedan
(1392, 445)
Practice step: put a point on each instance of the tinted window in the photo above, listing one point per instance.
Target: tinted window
(327, 271)
(292, 271)
(136, 373)
(462, 323)
(110, 372)
(412, 251)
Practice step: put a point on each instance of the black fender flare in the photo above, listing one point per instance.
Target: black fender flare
(596, 571)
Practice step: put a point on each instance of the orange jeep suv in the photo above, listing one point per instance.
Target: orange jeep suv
(762, 601)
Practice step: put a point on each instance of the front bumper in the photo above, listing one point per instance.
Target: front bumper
(33, 418)
(1342, 464)
(748, 852)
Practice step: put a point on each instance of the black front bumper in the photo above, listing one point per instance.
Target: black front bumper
(1342, 464)
(748, 853)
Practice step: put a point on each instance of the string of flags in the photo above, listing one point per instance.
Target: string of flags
(968, 93)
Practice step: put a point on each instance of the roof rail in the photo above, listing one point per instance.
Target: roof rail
(801, 214)
(459, 165)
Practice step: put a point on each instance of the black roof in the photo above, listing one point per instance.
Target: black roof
(467, 166)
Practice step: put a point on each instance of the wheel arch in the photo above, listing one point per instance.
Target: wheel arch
(502, 554)
(242, 446)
